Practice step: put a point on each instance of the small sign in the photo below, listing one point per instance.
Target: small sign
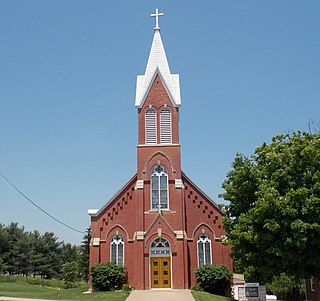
(252, 291)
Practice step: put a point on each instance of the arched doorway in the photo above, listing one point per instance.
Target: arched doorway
(160, 263)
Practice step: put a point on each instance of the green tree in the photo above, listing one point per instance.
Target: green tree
(68, 253)
(69, 273)
(51, 251)
(4, 249)
(287, 288)
(273, 220)
(84, 256)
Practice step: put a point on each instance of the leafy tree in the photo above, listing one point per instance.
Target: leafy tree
(287, 288)
(69, 273)
(273, 220)
(214, 279)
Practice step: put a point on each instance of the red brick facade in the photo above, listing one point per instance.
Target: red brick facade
(129, 214)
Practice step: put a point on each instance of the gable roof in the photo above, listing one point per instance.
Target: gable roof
(97, 212)
(157, 63)
(185, 178)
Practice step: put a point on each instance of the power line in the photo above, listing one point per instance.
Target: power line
(34, 204)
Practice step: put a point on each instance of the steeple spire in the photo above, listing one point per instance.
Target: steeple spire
(157, 64)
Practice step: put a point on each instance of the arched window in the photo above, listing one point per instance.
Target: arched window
(165, 126)
(204, 249)
(151, 126)
(160, 247)
(159, 188)
(117, 250)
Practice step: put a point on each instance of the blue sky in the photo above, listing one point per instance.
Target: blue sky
(68, 126)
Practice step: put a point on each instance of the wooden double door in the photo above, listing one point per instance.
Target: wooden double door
(160, 269)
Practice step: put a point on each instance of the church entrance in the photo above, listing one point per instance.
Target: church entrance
(160, 264)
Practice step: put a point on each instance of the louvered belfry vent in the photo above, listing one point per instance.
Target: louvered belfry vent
(151, 126)
(165, 126)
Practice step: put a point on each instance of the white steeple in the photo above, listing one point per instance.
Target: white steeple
(157, 64)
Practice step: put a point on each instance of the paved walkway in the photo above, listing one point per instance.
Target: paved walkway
(161, 295)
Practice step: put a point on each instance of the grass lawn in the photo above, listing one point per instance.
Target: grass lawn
(24, 290)
(201, 296)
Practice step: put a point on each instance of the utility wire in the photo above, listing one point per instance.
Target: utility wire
(34, 204)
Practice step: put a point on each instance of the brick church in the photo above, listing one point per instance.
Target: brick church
(160, 224)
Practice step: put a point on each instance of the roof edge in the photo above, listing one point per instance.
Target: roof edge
(209, 198)
(97, 212)
(176, 99)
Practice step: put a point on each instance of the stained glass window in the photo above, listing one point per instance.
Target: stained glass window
(204, 249)
(159, 188)
(117, 250)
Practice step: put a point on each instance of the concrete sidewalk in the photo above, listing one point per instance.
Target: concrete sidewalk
(161, 295)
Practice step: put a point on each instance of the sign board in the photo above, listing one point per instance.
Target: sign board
(252, 291)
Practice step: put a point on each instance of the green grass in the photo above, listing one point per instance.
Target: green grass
(202, 296)
(24, 290)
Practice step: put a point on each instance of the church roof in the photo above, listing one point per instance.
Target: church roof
(187, 179)
(157, 64)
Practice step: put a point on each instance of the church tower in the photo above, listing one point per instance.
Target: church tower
(160, 225)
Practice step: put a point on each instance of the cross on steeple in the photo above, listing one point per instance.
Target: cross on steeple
(157, 14)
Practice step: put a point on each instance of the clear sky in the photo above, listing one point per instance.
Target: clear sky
(68, 126)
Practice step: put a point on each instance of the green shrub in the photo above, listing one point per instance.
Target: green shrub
(214, 279)
(108, 276)
(287, 288)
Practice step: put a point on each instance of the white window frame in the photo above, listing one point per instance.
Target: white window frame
(165, 126)
(158, 175)
(150, 126)
(202, 240)
(117, 240)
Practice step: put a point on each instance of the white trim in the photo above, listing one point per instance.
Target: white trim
(178, 183)
(95, 241)
(93, 212)
(159, 145)
(139, 184)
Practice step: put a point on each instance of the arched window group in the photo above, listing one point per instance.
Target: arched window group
(151, 126)
(117, 250)
(159, 188)
(204, 249)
